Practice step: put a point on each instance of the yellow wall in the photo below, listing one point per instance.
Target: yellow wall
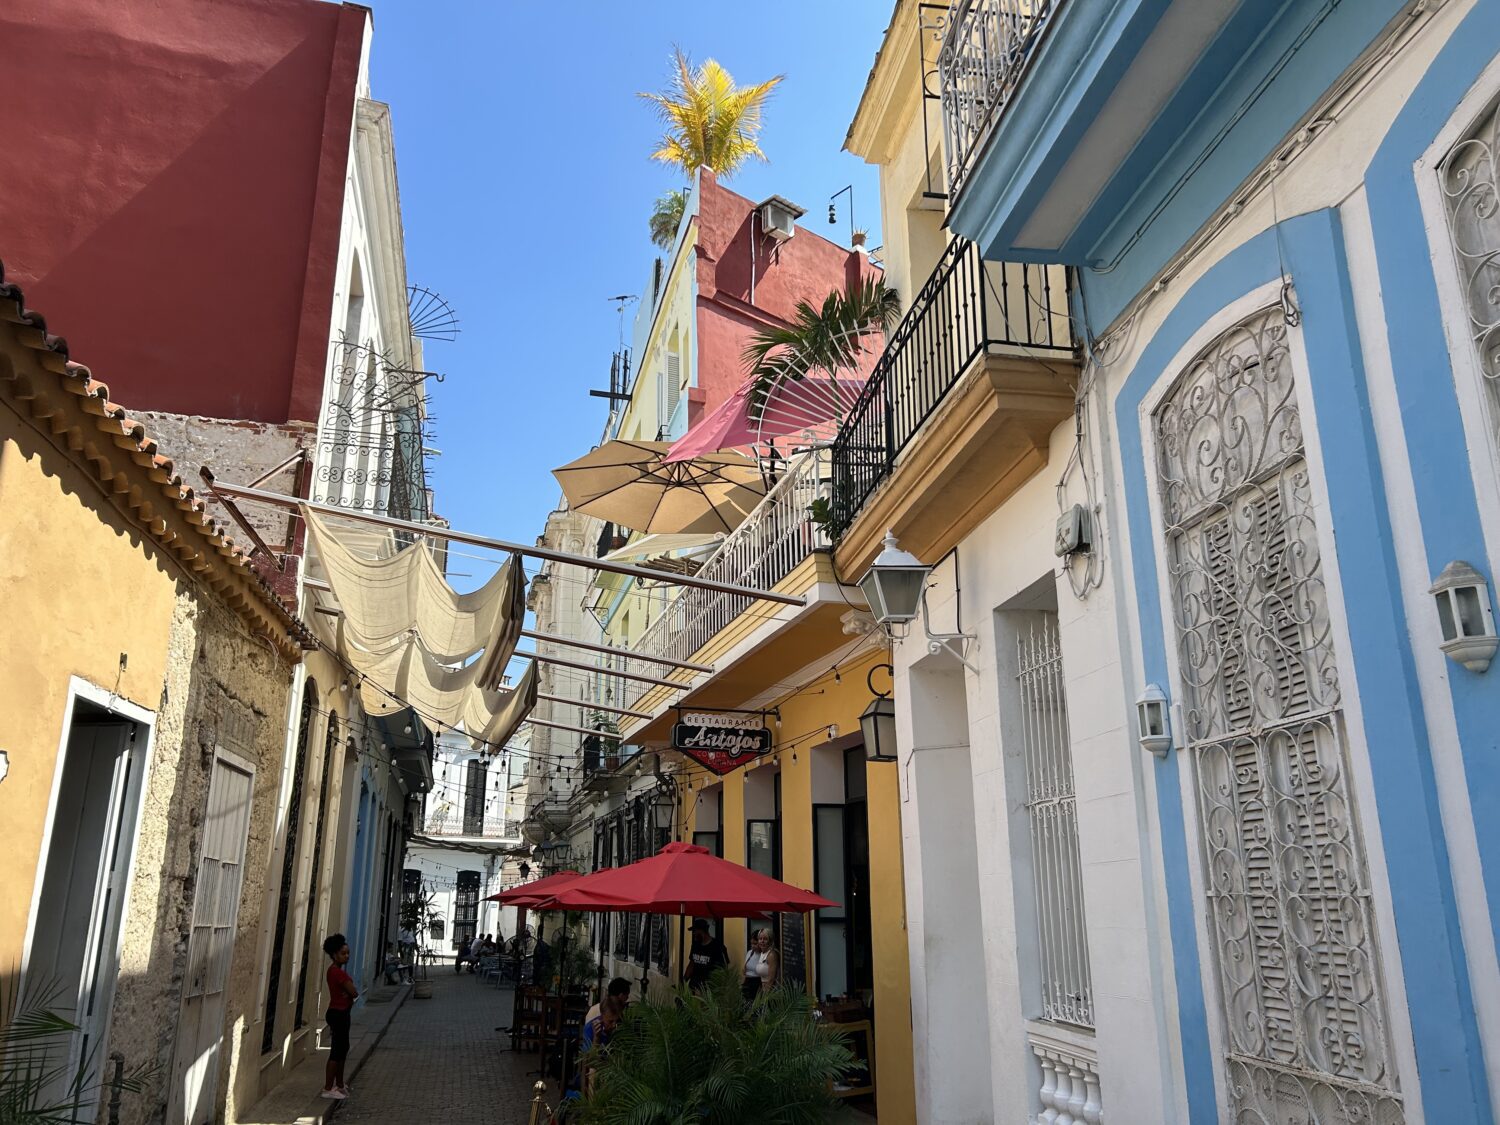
(79, 587)
(805, 719)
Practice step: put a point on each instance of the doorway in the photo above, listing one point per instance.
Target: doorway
(79, 907)
(216, 907)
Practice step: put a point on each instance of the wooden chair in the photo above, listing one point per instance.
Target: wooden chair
(528, 1025)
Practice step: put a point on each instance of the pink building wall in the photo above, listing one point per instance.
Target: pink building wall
(806, 267)
(171, 186)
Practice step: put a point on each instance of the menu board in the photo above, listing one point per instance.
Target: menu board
(794, 950)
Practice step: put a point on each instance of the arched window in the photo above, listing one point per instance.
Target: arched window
(288, 862)
(1290, 916)
(1471, 201)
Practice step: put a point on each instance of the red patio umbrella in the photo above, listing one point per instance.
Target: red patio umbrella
(685, 879)
(537, 892)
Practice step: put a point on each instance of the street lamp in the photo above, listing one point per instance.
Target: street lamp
(878, 722)
(893, 584)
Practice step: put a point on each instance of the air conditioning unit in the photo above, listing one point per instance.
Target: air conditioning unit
(778, 218)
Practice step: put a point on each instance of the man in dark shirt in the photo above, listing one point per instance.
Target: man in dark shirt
(706, 954)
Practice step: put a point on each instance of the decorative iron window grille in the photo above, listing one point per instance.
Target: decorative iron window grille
(967, 308)
(1289, 903)
(1062, 935)
(371, 446)
(330, 744)
(288, 866)
(1471, 194)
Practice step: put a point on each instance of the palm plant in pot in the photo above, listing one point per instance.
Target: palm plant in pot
(713, 1057)
(417, 915)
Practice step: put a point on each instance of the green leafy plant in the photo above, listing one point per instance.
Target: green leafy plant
(711, 121)
(38, 1083)
(821, 511)
(711, 1057)
(666, 217)
(829, 339)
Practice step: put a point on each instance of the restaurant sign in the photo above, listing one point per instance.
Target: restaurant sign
(721, 742)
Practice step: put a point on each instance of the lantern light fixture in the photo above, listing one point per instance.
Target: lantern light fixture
(1153, 725)
(1465, 616)
(894, 583)
(664, 809)
(878, 721)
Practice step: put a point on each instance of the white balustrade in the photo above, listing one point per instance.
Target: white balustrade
(1069, 1093)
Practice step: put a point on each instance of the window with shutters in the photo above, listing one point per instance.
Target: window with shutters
(1289, 905)
(1471, 199)
(476, 786)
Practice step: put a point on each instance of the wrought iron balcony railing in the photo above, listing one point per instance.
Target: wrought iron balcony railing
(453, 822)
(968, 307)
(984, 54)
(763, 550)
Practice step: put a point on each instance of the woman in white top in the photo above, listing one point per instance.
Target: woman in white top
(762, 965)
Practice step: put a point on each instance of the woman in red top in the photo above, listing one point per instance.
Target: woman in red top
(341, 994)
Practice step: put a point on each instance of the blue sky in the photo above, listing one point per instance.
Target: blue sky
(522, 152)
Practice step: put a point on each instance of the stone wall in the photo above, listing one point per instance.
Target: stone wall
(224, 688)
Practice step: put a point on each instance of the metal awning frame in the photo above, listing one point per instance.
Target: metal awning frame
(276, 499)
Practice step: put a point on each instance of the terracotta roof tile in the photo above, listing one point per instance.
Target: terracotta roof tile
(131, 435)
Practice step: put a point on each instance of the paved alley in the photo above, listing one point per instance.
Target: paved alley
(442, 1060)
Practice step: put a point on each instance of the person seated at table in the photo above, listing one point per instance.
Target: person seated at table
(762, 965)
(597, 1032)
(463, 955)
(394, 968)
(619, 989)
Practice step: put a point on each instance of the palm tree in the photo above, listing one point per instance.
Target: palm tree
(666, 217)
(827, 339)
(712, 1057)
(710, 121)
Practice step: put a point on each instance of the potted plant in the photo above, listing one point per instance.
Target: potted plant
(711, 1056)
(37, 1084)
(417, 915)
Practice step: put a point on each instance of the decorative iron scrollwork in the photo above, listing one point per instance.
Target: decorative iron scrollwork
(1290, 910)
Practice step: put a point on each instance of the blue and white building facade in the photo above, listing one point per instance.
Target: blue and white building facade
(1282, 227)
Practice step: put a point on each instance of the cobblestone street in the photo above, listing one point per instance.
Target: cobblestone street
(442, 1060)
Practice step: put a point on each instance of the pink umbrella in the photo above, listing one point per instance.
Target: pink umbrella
(809, 403)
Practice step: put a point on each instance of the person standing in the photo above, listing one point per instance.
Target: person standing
(341, 997)
(762, 965)
(706, 954)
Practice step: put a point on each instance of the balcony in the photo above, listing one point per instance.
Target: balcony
(997, 331)
(777, 537)
(984, 54)
(453, 822)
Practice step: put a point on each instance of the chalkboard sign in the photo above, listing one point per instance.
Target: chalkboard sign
(793, 950)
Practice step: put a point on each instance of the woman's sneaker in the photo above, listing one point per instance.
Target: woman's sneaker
(335, 1094)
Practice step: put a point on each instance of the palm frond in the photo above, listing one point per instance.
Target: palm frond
(829, 339)
(666, 218)
(710, 121)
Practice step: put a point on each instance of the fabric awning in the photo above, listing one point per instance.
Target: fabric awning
(390, 602)
(418, 644)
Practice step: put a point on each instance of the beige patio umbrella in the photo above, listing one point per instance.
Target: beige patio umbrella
(627, 483)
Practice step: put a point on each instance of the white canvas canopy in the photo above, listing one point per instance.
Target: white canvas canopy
(412, 637)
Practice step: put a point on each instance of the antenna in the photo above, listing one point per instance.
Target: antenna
(619, 364)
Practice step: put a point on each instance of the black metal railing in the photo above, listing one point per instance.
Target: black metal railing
(968, 307)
